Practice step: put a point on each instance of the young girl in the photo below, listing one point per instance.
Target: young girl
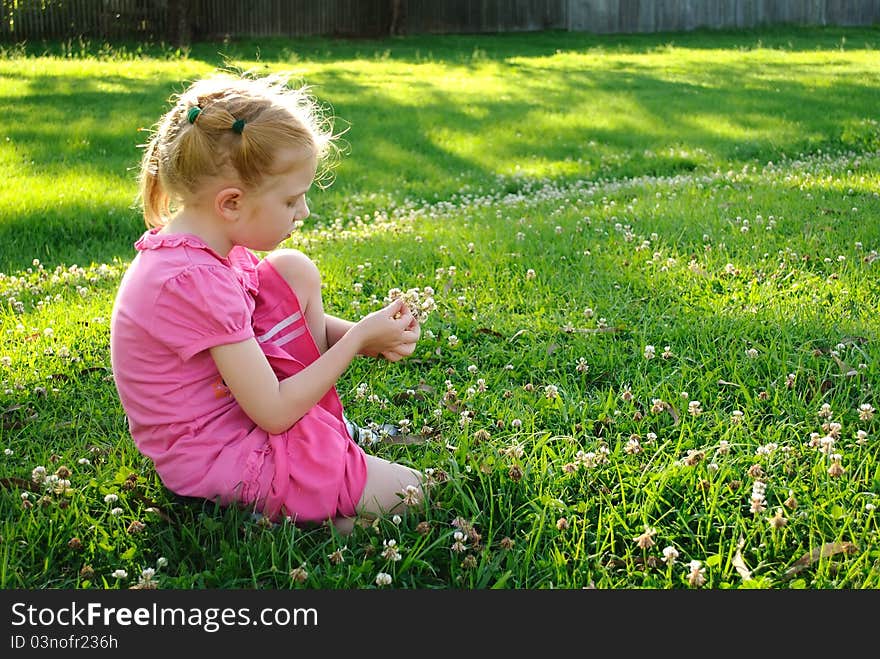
(225, 363)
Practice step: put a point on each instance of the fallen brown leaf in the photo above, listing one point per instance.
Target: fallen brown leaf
(597, 330)
(402, 397)
(847, 371)
(739, 564)
(20, 483)
(826, 550)
(404, 440)
(673, 413)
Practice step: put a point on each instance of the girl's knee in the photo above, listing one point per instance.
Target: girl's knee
(416, 477)
(297, 268)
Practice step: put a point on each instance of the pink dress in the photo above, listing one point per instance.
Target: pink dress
(179, 298)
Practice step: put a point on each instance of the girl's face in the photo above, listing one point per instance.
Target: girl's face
(271, 211)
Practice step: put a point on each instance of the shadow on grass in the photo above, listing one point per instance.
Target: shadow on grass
(628, 121)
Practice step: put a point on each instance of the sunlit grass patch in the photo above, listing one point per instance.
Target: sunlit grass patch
(653, 362)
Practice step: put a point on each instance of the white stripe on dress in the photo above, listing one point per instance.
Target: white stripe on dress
(299, 331)
(280, 326)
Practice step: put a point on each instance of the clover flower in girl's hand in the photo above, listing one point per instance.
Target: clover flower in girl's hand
(419, 300)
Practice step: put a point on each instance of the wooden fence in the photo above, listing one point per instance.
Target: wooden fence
(177, 21)
(683, 15)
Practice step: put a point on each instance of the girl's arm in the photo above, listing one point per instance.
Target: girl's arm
(275, 406)
(335, 328)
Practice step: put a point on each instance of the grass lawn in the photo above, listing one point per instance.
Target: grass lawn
(655, 360)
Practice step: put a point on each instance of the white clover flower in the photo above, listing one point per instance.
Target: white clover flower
(695, 408)
(696, 574)
(459, 542)
(778, 520)
(646, 539)
(111, 498)
(391, 553)
(411, 497)
(383, 579)
(530, 274)
(8, 451)
(766, 449)
(866, 412)
(670, 555)
(757, 498)
(452, 340)
(161, 562)
(397, 519)
(649, 352)
(751, 353)
(632, 446)
(119, 574)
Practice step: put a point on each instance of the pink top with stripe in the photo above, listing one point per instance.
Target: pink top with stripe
(179, 298)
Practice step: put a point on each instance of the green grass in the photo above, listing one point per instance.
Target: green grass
(711, 192)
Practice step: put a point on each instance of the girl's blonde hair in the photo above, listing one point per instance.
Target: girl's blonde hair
(230, 121)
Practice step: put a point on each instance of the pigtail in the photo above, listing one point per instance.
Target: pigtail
(195, 151)
(152, 194)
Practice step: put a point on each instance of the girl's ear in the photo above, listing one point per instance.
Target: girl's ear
(227, 203)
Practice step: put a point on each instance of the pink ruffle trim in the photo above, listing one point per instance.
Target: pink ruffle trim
(246, 271)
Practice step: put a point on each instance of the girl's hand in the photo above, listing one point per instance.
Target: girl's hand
(408, 347)
(380, 333)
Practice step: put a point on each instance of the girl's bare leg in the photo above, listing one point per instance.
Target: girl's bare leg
(303, 277)
(383, 493)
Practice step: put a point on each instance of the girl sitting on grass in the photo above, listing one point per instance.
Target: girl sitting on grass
(226, 363)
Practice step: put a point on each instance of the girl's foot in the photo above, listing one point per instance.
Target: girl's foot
(386, 432)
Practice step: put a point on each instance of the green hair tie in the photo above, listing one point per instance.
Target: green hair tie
(238, 125)
(193, 113)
